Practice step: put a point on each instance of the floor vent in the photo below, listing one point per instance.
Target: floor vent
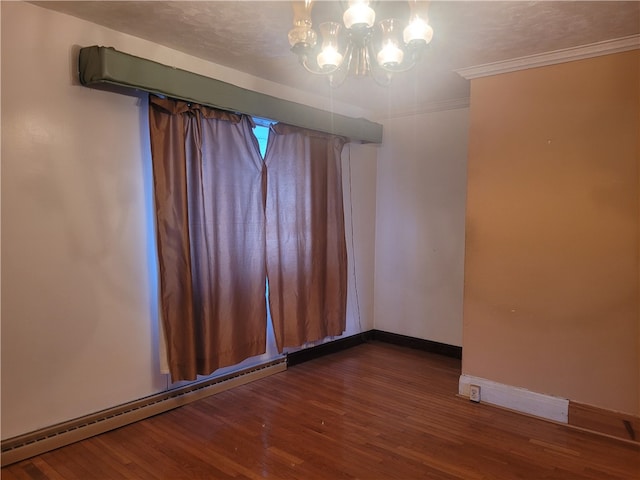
(41, 441)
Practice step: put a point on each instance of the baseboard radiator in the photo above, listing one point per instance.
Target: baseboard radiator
(24, 446)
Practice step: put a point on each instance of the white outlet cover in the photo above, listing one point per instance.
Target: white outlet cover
(474, 393)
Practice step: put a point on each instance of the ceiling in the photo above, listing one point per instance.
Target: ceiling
(251, 36)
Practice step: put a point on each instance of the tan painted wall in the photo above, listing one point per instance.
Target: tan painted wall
(551, 299)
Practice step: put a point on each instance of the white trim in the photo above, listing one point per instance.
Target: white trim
(427, 107)
(518, 399)
(606, 47)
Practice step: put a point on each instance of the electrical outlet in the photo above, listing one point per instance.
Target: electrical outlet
(474, 393)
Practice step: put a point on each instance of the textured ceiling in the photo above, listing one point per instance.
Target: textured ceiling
(252, 37)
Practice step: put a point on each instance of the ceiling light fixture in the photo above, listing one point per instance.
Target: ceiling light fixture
(359, 46)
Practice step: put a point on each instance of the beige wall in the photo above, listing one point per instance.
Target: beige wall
(420, 225)
(551, 299)
(79, 316)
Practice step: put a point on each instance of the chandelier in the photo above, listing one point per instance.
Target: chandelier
(359, 46)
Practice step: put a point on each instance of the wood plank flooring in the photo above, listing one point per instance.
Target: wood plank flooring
(375, 411)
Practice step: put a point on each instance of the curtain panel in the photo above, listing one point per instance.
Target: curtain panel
(306, 246)
(210, 224)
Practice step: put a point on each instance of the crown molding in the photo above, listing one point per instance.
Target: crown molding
(427, 107)
(606, 47)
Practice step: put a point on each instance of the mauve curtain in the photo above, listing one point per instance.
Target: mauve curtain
(209, 196)
(306, 247)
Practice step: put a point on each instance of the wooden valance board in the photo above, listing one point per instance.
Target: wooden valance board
(102, 67)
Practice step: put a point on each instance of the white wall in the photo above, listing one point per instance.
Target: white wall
(79, 314)
(420, 226)
(359, 186)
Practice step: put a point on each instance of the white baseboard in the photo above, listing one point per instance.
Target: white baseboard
(518, 399)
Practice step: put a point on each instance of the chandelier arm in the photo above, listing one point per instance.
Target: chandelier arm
(385, 83)
(330, 74)
(404, 67)
(381, 76)
(304, 60)
(414, 57)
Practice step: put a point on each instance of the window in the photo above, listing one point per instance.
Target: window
(261, 131)
(223, 230)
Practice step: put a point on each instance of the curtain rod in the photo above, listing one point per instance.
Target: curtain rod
(103, 67)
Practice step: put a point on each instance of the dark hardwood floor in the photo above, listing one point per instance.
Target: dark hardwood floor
(375, 411)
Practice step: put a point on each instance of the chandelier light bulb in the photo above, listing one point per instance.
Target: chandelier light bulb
(359, 14)
(360, 45)
(417, 30)
(390, 55)
(329, 58)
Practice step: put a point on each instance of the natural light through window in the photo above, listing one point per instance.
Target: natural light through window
(261, 131)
